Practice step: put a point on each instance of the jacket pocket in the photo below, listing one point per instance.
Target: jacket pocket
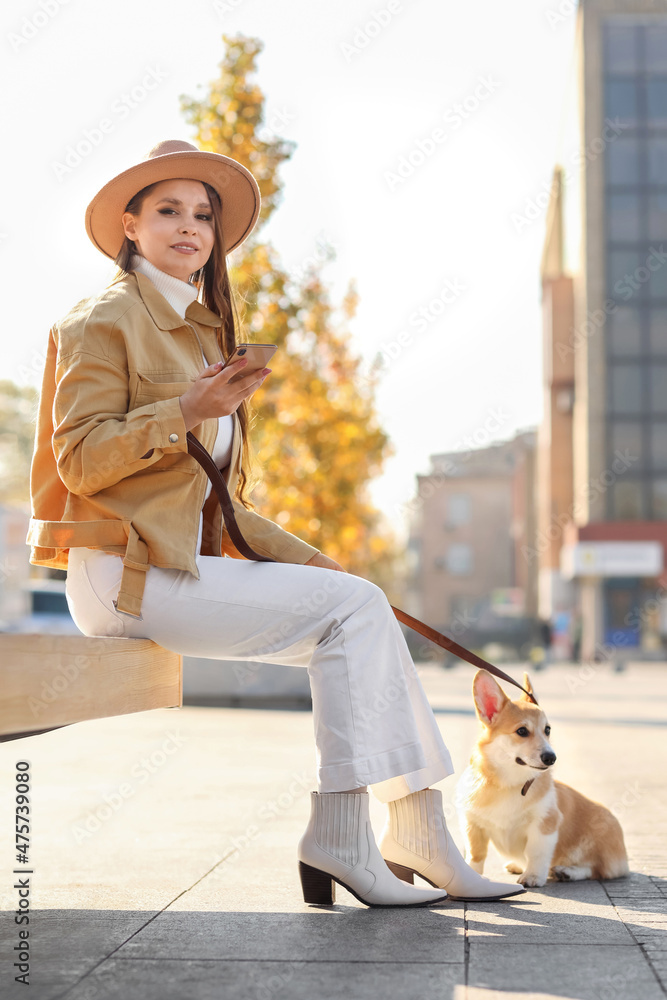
(144, 390)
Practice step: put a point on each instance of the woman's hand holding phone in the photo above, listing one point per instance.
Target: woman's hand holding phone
(214, 394)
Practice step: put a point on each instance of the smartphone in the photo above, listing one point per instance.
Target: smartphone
(258, 356)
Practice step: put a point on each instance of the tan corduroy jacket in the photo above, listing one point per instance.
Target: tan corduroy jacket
(110, 469)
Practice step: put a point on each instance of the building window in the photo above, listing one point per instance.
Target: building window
(626, 389)
(624, 332)
(660, 499)
(620, 48)
(627, 498)
(623, 216)
(635, 166)
(658, 331)
(459, 560)
(626, 442)
(659, 446)
(657, 215)
(655, 56)
(459, 509)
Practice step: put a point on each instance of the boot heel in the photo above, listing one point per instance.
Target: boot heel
(400, 871)
(318, 887)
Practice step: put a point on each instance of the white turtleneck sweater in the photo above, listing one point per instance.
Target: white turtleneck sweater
(179, 294)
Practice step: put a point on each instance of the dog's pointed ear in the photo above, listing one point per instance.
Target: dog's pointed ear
(489, 697)
(529, 688)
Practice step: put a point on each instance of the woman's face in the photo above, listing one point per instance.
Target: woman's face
(175, 228)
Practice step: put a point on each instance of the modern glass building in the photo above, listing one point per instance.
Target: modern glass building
(602, 454)
(634, 60)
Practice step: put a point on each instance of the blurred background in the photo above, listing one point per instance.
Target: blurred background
(460, 257)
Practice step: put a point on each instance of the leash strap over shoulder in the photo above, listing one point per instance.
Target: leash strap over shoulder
(201, 455)
(199, 452)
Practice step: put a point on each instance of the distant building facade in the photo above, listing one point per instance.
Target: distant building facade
(470, 520)
(602, 443)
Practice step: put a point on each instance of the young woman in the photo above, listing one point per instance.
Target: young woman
(118, 501)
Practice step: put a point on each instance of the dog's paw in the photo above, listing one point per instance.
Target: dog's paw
(531, 879)
(513, 868)
(570, 873)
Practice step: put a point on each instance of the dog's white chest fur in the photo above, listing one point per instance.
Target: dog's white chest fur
(506, 817)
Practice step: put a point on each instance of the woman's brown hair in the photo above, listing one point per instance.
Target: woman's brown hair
(215, 289)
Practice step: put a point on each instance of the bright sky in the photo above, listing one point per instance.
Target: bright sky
(424, 129)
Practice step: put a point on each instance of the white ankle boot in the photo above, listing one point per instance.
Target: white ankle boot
(416, 841)
(339, 846)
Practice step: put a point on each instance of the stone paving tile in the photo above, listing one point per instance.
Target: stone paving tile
(653, 936)
(659, 964)
(90, 934)
(48, 982)
(65, 944)
(265, 980)
(637, 885)
(647, 913)
(557, 913)
(336, 934)
(584, 972)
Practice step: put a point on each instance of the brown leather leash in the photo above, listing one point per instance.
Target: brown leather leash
(201, 455)
(453, 647)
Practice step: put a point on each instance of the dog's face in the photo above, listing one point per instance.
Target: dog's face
(516, 733)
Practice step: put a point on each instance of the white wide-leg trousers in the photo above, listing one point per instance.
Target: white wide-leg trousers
(373, 723)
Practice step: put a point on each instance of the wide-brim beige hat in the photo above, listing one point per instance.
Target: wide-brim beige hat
(169, 160)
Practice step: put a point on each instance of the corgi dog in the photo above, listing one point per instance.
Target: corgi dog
(509, 797)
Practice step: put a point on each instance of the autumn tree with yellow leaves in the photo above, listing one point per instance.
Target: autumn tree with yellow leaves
(316, 436)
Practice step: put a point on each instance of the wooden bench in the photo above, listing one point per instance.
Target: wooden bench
(49, 681)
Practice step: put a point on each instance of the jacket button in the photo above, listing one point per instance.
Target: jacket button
(173, 438)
